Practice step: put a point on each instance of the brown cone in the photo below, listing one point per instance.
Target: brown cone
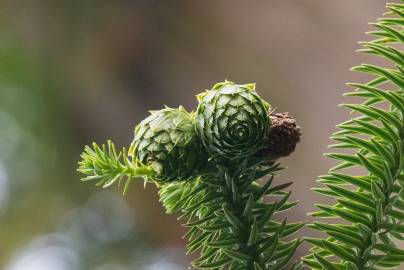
(283, 136)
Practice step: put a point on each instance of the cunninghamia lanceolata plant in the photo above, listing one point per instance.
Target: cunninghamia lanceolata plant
(209, 165)
(370, 203)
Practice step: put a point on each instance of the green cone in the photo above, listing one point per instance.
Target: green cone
(167, 141)
(232, 120)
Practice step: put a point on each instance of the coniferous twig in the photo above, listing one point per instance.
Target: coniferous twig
(371, 203)
(230, 223)
(208, 165)
(107, 166)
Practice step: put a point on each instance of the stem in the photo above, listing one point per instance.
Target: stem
(144, 171)
(251, 218)
(378, 228)
(236, 204)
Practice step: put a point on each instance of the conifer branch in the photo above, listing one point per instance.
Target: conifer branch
(371, 203)
(230, 223)
(108, 166)
(208, 165)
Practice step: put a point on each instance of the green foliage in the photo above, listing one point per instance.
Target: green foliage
(209, 167)
(107, 166)
(371, 203)
(229, 220)
(231, 224)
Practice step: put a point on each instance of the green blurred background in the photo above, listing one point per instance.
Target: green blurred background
(74, 71)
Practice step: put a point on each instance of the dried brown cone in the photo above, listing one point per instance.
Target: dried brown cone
(283, 136)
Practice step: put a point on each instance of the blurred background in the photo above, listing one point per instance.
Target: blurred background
(73, 72)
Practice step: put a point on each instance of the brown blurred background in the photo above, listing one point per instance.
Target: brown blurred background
(73, 72)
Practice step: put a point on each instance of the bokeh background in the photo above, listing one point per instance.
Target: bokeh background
(73, 72)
